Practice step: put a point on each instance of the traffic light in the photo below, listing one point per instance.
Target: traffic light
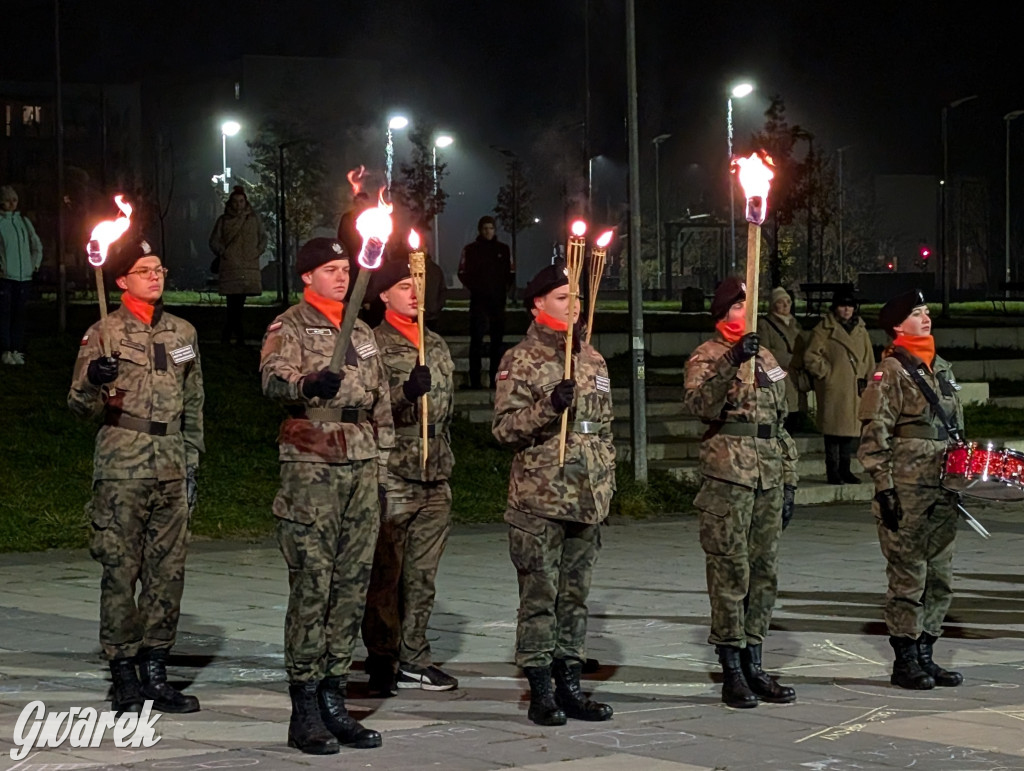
(924, 252)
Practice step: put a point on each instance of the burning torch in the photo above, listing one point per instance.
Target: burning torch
(103, 235)
(418, 273)
(574, 253)
(598, 252)
(755, 174)
(374, 225)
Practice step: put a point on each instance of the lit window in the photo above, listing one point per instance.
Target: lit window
(7, 119)
(31, 115)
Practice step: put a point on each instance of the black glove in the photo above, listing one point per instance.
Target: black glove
(418, 383)
(563, 395)
(324, 384)
(102, 370)
(745, 349)
(889, 506)
(861, 385)
(788, 504)
(191, 488)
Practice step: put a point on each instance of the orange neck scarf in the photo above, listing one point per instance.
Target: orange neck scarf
(551, 322)
(140, 309)
(732, 331)
(922, 346)
(332, 309)
(406, 327)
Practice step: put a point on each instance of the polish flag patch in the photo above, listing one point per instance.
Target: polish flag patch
(877, 376)
(275, 326)
(85, 340)
(503, 375)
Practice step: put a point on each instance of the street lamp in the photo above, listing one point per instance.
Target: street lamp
(1009, 117)
(657, 141)
(227, 129)
(943, 185)
(442, 141)
(395, 122)
(738, 92)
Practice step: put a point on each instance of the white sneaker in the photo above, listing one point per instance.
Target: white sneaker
(7, 358)
(18, 357)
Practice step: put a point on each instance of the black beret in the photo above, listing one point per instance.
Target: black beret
(731, 291)
(551, 277)
(319, 251)
(124, 253)
(895, 311)
(389, 274)
(843, 297)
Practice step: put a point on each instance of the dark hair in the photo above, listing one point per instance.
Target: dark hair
(485, 220)
(239, 190)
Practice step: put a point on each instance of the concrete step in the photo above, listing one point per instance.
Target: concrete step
(682, 447)
(810, 466)
(811, 491)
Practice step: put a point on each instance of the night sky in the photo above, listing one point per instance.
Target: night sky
(873, 76)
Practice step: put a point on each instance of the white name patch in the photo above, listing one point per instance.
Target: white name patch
(603, 384)
(181, 355)
(366, 350)
(319, 331)
(775, 374)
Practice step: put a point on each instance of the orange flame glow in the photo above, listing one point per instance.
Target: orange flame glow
(579, 228)
(355, 178)
(755, 175)
(414, 240)
(605, 239)
(374, 225)
(107, 232)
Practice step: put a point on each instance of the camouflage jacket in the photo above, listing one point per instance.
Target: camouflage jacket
(525, 420)
(399, 357)
(716, 394)
(893, 404)
(301, 341)
(159, 379)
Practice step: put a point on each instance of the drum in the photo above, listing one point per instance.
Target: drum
(983, 471)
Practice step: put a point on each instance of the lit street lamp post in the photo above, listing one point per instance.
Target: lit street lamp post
(443, 141)
(1009, 118)
(657, 141)
(739, 91)
(227, 129)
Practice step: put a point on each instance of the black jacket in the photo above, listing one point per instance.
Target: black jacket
(485, 268)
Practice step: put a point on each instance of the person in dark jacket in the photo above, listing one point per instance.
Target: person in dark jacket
(485, 269)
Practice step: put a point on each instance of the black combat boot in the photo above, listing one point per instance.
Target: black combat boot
(765, 686)
(735, 690)
(350, 733)
(943, 677)
(570, 697)
(832, 444)
(306, 730)
(846, 450)
(166, 698)
(543, 709)
(126, 691)
(906, 670)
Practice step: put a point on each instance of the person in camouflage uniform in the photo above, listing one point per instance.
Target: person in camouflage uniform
(902, 446)
(417, 506)
(554, 513)
(338, 431)
(149, 395)
(748, 465)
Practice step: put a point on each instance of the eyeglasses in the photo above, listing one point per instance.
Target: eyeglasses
(149, 272)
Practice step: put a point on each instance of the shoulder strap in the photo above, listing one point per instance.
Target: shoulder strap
(915, 373)
(773, 325)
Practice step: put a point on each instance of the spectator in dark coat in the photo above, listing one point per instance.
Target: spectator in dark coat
(485, 269)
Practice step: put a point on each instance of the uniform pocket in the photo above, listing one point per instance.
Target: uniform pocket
(105, 544)
(526, 541)
(301, 500)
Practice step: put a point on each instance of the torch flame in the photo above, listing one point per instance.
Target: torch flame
(414, 240)
(374, 225)
(579, 228)
(107, 232)
(755, 175)
(605, 239)
(355, 178)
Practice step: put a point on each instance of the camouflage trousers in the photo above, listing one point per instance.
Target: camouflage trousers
(739, 532)
(554, 560)
(328, 517)
(140, 533)
(414, 529)
(919, 561)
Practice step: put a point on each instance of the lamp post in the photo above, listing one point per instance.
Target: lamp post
(657, 141)
(395, 123)
(227, 129)
(842, 205)
(442, 141)
(943, 197)
(1009, 118)
(738, 92)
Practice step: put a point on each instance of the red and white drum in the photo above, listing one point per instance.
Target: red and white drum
(984, 472)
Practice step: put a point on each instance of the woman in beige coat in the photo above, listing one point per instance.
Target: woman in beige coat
(238, 240)
(782, 334)
(840, 357)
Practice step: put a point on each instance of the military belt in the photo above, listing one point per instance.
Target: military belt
(334, 414)
(917, 431)
(586, 427)
(416, 430)
(151, 427)
(759, 430)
